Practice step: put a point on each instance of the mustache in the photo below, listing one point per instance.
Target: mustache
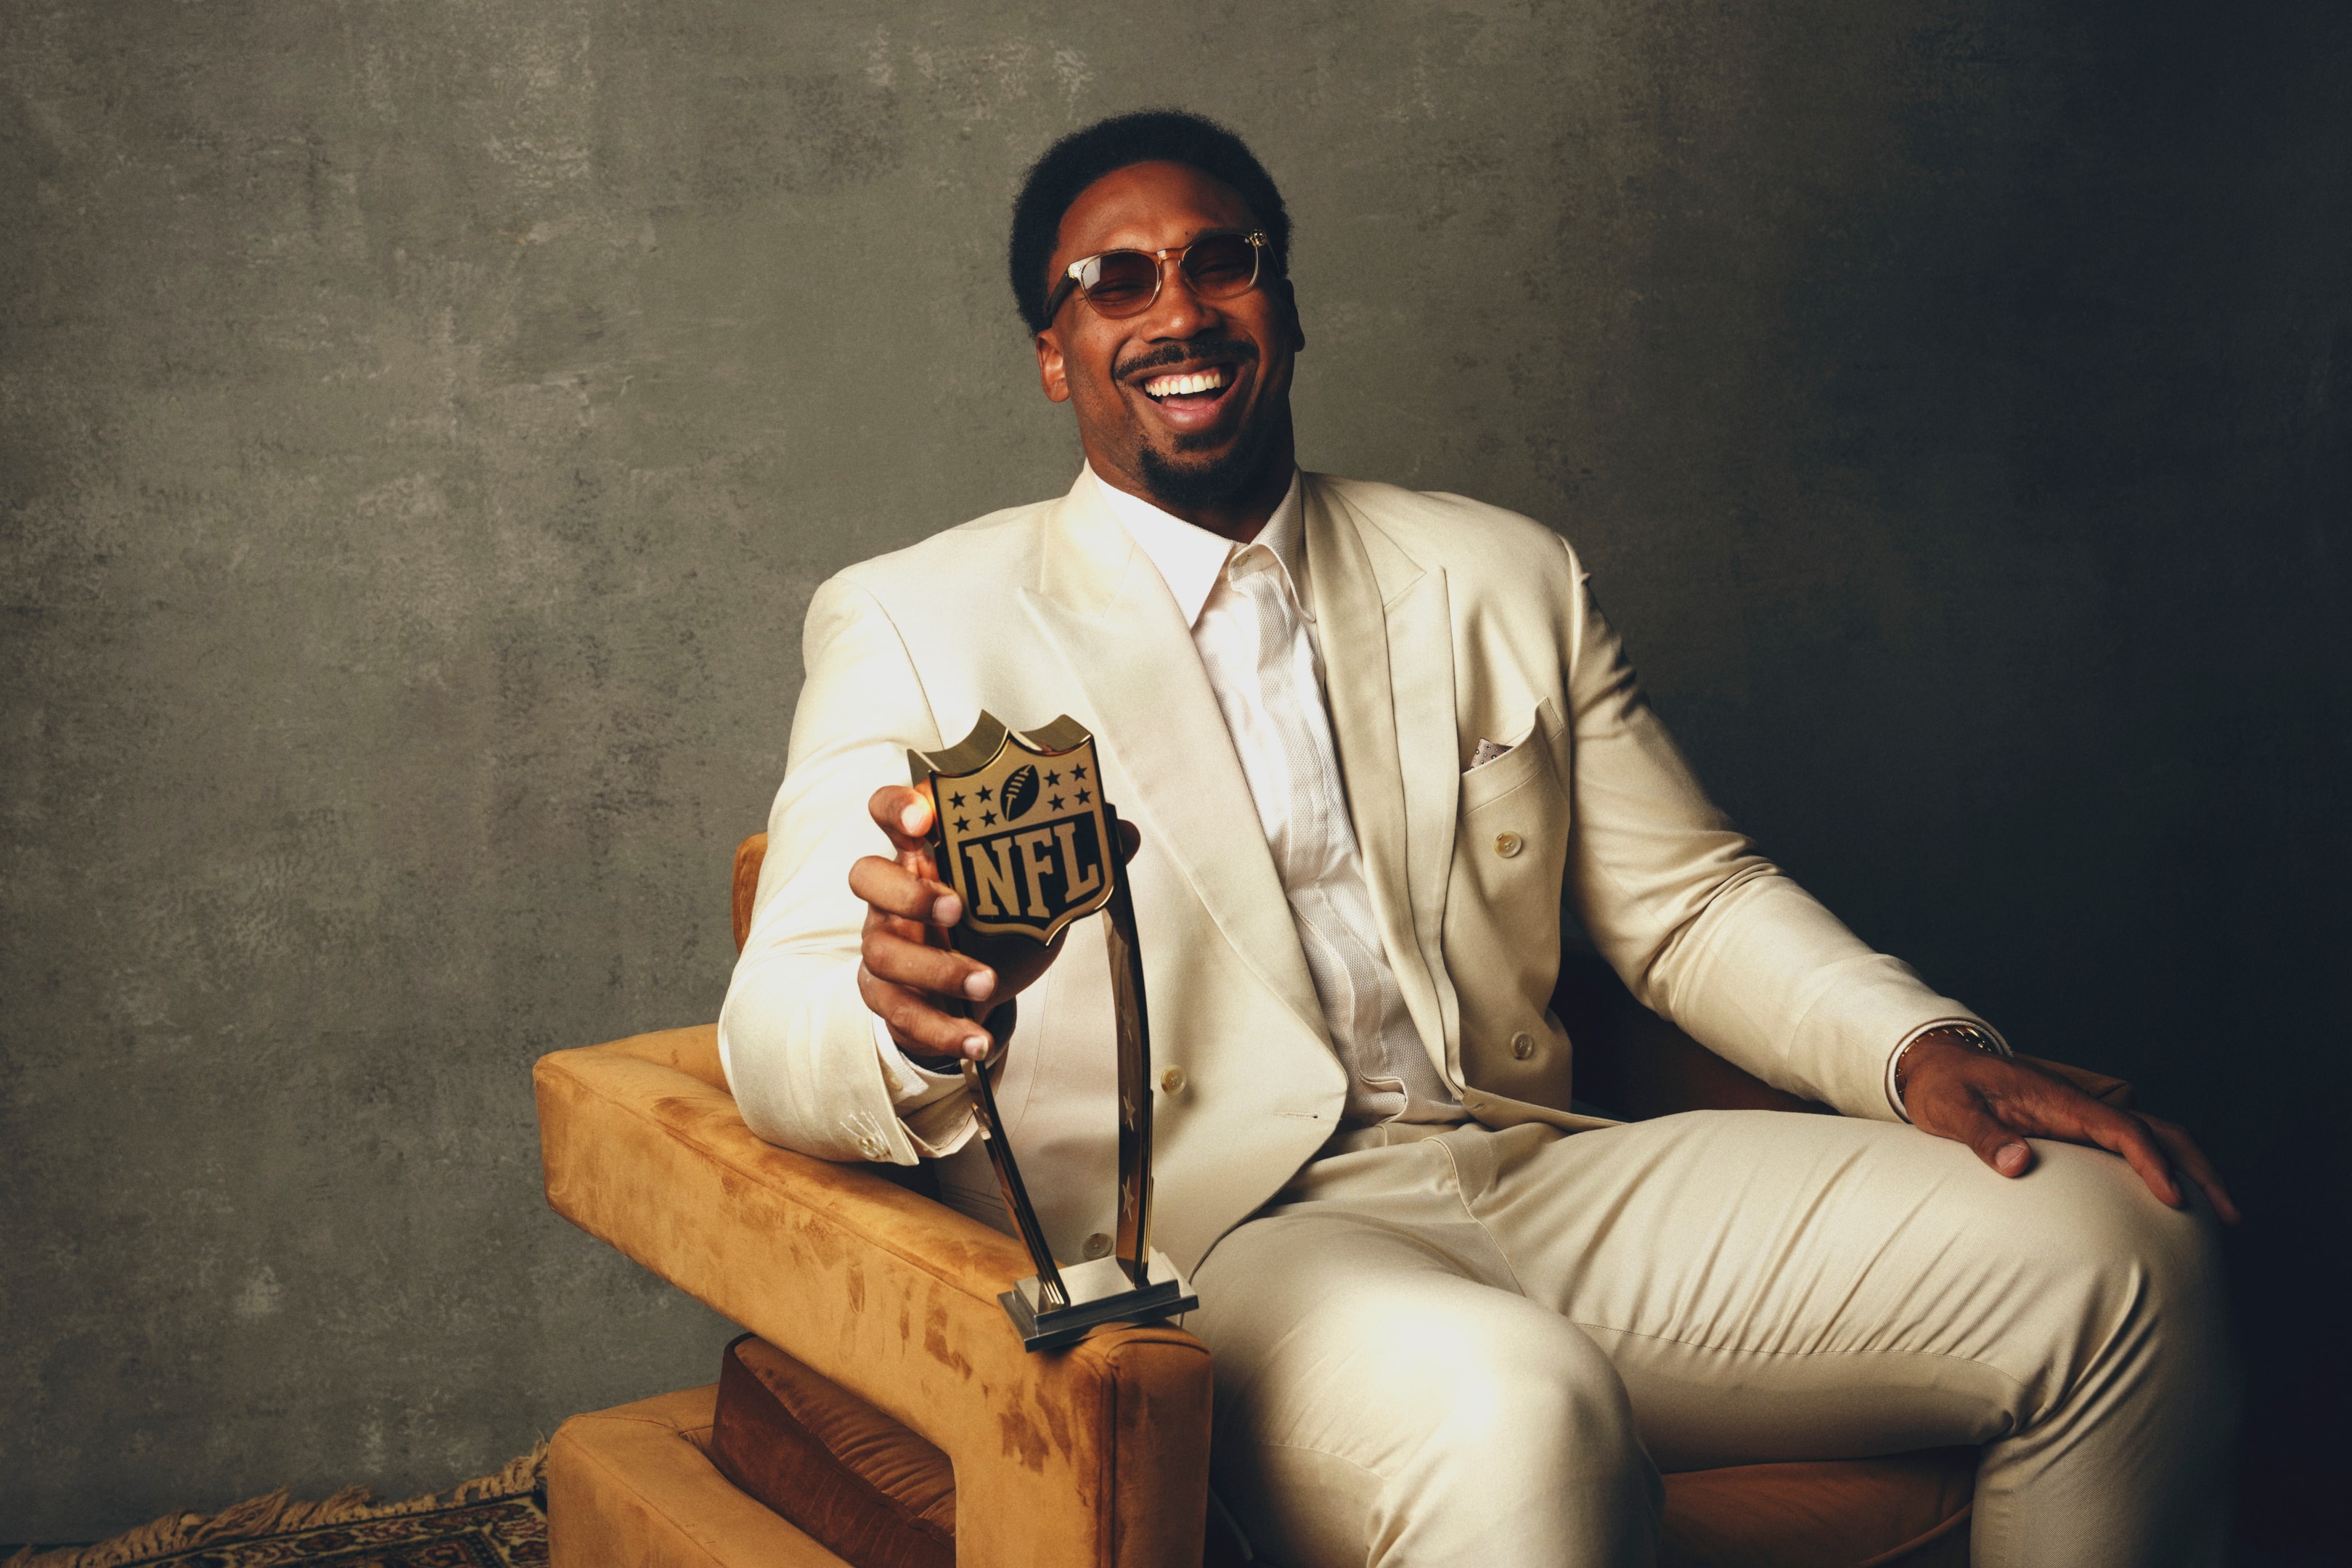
(1214, 351)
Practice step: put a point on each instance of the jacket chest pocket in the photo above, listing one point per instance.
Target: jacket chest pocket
(1502, 915)
(1510, 846)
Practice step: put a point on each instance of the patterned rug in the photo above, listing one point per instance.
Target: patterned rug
(497, 1521)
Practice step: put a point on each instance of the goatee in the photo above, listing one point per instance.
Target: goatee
(1212, 483)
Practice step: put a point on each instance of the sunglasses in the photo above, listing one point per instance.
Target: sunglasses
(1127, 283)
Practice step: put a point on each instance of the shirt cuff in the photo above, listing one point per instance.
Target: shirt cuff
(1894, 1096)
(934, 1111)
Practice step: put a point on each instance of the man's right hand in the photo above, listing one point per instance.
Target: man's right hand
(933, 999)
(930, 996)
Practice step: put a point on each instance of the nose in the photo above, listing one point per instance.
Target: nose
(1179, 312)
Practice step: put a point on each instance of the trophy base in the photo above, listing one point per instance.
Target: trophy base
(1100, 1292)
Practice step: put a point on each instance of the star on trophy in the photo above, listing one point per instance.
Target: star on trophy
(1023, 833)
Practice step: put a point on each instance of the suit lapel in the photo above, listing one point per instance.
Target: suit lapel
(1102, 603)
(1388, 663)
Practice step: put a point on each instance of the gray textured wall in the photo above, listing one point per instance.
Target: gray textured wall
(422, 426)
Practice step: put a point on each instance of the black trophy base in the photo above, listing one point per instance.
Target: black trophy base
(1100, 1292)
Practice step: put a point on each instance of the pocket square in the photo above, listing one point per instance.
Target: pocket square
(1486, 753)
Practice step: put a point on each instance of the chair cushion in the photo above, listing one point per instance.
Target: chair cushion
(851, 1477)
(635, 1485)
(1906, 1509)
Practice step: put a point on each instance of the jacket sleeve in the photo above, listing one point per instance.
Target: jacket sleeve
(801, 1052)
(1704, 931)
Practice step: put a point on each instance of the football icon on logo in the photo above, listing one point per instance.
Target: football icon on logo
(1020, 792)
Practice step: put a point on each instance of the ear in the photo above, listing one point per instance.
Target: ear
(1053, 371)
(1290, 306)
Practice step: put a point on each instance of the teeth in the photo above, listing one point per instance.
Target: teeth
(1184, 385)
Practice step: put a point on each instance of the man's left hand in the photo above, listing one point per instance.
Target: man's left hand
(1993, 1105)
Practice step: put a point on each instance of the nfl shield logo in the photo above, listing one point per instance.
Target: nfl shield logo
(1024, 835)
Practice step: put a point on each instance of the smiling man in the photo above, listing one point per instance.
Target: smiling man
(1373, 740)
(1197, 418)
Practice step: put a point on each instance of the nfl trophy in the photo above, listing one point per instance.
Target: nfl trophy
(1023, 833)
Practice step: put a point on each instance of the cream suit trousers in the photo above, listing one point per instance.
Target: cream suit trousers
(1481, 1347)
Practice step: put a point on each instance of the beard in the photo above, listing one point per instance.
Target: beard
(1209, 483)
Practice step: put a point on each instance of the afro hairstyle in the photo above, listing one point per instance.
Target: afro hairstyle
(1150, 136)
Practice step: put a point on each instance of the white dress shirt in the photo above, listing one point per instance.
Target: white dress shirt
(1249, 606)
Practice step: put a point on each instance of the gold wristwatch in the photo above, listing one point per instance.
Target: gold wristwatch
(1969, 1034)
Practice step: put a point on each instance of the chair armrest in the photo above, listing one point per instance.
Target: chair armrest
(1096, 1455)
(749, 857)
(694, 1052)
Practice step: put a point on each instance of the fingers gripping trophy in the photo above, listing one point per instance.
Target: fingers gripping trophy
(1023, 833)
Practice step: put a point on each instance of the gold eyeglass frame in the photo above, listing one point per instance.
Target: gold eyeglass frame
(1072, 281)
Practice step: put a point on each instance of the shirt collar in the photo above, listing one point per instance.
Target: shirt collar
(1190, 560)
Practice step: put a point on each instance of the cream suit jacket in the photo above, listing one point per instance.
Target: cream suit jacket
(1443, 622)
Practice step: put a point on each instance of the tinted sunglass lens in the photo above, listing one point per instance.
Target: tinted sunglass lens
(1221, 266)
(1122, 282)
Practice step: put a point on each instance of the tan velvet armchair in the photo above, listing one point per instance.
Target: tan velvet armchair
(1098, 1455)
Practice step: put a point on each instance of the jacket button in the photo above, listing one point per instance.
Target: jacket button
(1098, 1246)
(1523, 1045)
(1509, 843)
(1172, 1080)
